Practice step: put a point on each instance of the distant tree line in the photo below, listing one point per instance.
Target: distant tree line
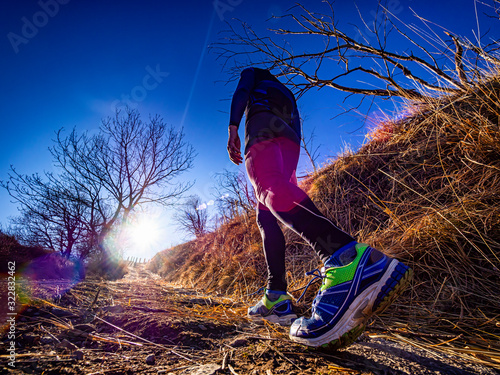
(233, 196)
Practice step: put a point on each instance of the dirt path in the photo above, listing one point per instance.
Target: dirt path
(141, 325)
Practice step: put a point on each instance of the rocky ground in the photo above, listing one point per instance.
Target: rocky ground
(141, 325)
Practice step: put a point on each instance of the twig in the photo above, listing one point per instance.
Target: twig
(95, 298)
(175, 369)
(50, 334)
(224, 360)
(113, 340)
(31, 355)
(259, 337)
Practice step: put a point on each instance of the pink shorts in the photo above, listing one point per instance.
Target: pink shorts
(271, 166)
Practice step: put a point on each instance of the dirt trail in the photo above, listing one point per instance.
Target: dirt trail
(141, 325)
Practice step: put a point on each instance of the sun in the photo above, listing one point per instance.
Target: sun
(144, 233)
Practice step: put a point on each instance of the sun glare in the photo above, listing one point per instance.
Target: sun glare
(144, 233)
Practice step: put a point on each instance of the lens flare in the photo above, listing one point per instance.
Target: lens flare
(144, 233)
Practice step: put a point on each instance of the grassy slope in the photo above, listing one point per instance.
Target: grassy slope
(424, 189)
(12, 251)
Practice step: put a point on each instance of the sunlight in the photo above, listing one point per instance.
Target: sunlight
(144, 233)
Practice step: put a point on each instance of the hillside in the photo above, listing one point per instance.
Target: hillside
(12, 250)
(423, 189)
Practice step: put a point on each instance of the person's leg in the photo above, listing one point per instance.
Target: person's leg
(273, 243)
(271, 166)
(276, 305)
(358, 281)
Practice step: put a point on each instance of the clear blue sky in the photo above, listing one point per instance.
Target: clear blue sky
(83, 57)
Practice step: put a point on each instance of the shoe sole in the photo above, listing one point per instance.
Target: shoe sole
(285, 320)
(374, 300)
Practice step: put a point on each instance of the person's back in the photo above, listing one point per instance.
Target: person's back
(269, 94)
(260, 92)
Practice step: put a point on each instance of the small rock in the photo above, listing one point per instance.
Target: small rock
(78, 355)
(238, 342)
(202, 327)
(208, 369)
(45, 340)
(150, 359)
(68, 345)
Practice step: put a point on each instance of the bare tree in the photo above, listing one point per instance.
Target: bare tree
(365, 66)
(311, 150)
(102, 178)
(191, 217)
(51, 212)
(234, 194)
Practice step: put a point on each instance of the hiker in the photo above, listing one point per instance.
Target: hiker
(357, 280)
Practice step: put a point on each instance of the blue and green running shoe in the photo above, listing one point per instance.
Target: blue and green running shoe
(279, 311)
(349, 296)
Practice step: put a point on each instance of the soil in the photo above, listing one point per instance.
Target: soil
(142, 325)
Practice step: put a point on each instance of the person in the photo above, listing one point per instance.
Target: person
(357, 280)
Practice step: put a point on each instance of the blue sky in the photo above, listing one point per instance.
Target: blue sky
(71, 61)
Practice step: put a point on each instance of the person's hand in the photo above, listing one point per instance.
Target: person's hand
(234, 145)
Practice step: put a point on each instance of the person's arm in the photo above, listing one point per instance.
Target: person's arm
(238, 105)
(241, 96)
(234, 145)
(296, 122)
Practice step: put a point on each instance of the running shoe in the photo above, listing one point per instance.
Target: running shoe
(279, 311)
(349, 296)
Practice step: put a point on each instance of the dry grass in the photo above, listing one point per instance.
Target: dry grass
(423, 189)
(227, 260)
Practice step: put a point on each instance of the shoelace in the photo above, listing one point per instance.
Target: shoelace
(257, 292)
(318, 274)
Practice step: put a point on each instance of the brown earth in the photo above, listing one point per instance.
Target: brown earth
(142, 325)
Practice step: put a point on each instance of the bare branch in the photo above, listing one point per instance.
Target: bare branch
(407, 75)
(458, 59)
(191, 217)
